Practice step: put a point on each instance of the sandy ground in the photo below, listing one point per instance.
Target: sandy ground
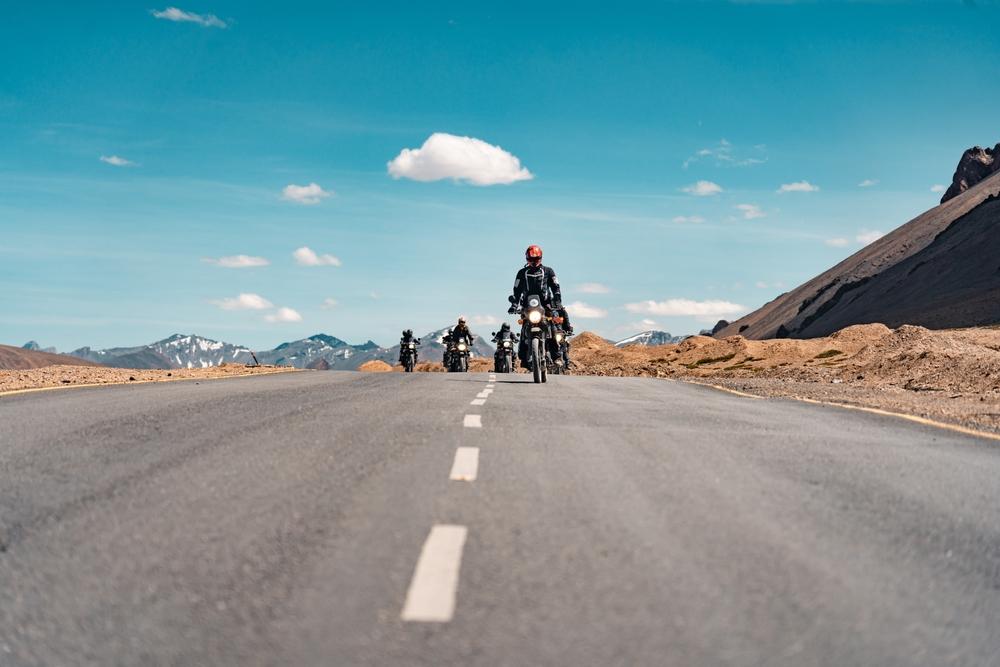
(68, 376)
(951, 375)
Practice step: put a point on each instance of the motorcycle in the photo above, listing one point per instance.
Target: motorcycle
(558, 348)
(408, 354)
(458, 357)
(536, 328)
(503, 358)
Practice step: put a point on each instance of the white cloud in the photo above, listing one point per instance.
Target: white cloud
(117, 161)
(723, 155)
(703, 189)
(305, 256)
(693, 219)
(484, 320)
(284, 314)
(305, 194)
(838, 242)
(799, 186)
(375, 296)
(328, 303)
(750, 211)
(594, 288)
(760, 284)
(868, 236)
(238, 261)
(868, 182)
(179, 15)
(446, 156)
(938, 188)
(686, 307)
(582, 310)
(244, 302)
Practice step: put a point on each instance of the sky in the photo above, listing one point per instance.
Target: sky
(258, 172)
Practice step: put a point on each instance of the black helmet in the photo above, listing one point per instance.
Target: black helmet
(504, 326)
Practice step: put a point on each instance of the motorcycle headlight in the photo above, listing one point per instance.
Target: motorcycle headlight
(412, 346)
(506, 343)
(461, 347)
(559, 337)
(535, 316)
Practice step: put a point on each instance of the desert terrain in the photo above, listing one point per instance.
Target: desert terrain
(85, 374)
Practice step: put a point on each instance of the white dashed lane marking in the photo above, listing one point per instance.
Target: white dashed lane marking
(478, 401)
(482, 394)
(431, 597)
(466, 464)
(473, 421)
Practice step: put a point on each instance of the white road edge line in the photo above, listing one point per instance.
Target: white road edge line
(431, 596)
(478, 401)
(466, 465)
(473, 421)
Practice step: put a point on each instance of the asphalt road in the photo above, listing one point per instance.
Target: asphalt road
(310, 519)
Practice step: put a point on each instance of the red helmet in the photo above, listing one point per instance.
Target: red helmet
(533, 255)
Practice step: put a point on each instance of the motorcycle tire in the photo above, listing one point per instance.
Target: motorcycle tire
(537, 361)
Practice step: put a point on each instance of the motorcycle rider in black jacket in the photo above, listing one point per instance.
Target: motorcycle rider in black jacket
(536, 278)
(404, 341)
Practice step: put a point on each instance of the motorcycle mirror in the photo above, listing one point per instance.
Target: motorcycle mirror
(511, 298)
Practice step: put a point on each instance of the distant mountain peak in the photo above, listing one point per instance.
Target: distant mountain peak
(650, 338)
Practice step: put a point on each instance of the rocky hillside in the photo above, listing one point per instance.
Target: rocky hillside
(321, 352)
(650, 338)
(977, 164)
(19, 358)
(938, 270)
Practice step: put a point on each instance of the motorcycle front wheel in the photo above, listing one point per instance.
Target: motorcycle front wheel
(537, 361)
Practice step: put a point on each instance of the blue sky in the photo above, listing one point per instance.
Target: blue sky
(595, 123)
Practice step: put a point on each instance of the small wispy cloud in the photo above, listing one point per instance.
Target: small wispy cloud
(585, 311)
(284, 314)
(306, 256)
(484, 320)
(238, 261)
(594, 288)
(703, 189)
(693, 219)
(938, 188)
(446, 156)
(181, 16)
(117, 161)
(328, 303)
(245, 301)
(868, 182)
(763, 284)
(723, 154)
(750, 211)
(838, 242)
(686, 308)
(867, 236)
(798, 186)
(307, 195)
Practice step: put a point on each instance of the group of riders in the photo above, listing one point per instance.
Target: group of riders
(533, 281)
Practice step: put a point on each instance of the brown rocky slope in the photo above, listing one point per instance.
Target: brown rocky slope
(18, 358)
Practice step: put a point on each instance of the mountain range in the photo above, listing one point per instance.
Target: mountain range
(650, 338)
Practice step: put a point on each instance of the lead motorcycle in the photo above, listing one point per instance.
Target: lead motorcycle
(503, 358)
(458, 356)
(408, 354)
(536, 328)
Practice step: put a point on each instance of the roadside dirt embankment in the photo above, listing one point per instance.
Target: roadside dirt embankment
(952, 375)
(69, 376)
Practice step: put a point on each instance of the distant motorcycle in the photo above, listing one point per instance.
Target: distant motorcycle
(558, 348)
(503, 358)
(408, 354)
(458, 357)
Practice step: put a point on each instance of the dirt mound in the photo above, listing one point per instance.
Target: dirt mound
(17, 358)
(90, 374)
(375, 366)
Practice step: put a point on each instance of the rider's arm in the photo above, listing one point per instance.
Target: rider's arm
(554, 286)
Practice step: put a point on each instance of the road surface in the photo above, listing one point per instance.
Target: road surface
(431, 519)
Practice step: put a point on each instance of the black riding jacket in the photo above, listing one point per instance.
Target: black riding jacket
(503, 335)
(460, 332)
(540, 280)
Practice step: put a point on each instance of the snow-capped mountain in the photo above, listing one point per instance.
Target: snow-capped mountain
(177, 351)
(321, 351)
(650, 338)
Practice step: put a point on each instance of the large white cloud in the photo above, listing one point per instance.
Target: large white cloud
(584, 311)
(305, 194)
(305, 256)
(703, 189)
(238, 261)
(245, 301)
(446, 156)
(284, 314)
(686, 308)
(181, 16)
(798, 186)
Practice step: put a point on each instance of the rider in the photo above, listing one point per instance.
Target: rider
(406, 339)
(461, 331)
(446, 341)
(536, 278)
(504, 334)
